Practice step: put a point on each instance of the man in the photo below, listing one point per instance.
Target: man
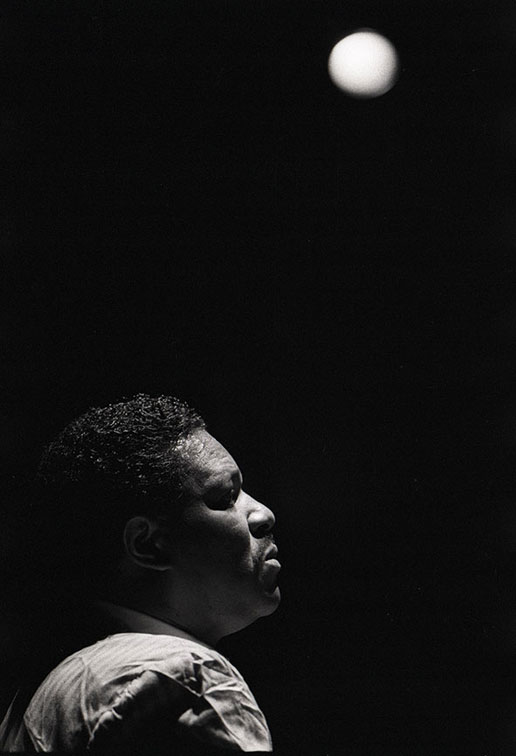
(144, 511)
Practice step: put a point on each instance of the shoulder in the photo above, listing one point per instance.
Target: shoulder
(131, 683)
(182, 659)
(102, 670)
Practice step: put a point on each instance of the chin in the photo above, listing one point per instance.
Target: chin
(271, 602)
(266, 604)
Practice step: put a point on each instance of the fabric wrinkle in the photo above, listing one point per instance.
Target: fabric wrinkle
(130, 684)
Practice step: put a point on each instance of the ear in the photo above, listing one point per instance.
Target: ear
(146, 543)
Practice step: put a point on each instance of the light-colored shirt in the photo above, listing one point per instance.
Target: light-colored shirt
(156, 684)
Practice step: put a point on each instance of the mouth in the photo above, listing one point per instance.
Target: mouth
(270, 570)
(271, 554)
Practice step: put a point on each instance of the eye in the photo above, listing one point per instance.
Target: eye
(224, 500)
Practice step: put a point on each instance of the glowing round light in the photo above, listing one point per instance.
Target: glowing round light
(364, 64)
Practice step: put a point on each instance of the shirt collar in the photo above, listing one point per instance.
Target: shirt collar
(140, 622)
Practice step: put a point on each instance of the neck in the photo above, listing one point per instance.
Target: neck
(155, 595)
(130, 619)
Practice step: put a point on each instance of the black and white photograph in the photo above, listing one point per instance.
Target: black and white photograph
(258, 377)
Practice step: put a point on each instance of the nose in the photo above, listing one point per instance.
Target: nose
(260, 518)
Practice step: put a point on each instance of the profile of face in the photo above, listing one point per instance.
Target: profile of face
(223, 545)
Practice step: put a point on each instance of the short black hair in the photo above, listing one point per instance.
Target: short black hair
(109, 464)
(125, 447)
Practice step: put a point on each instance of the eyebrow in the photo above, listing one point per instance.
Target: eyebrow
(237, 478)
(221, 479)
(223, 483)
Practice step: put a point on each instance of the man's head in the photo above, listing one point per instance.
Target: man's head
(148, 499)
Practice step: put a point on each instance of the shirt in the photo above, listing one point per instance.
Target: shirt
(155, 689)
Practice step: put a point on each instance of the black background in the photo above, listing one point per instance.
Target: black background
(191, 207)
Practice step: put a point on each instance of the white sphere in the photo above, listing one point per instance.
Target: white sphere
(364, 64)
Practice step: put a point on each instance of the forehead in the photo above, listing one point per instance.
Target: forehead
(205, 458)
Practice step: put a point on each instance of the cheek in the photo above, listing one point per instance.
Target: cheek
(221, 540)
(230, 545)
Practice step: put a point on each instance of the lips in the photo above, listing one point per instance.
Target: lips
(270, 570)
(271, 554)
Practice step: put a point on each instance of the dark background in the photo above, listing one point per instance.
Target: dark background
(191, 207)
